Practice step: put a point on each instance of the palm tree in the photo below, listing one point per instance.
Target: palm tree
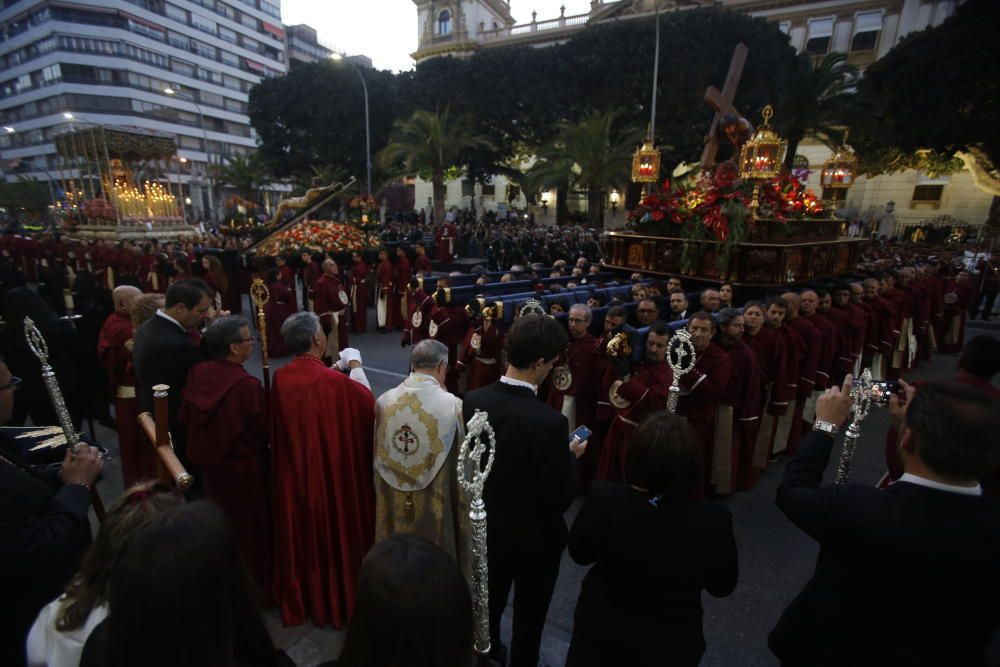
(587, 155)
(431, 142)
(817, 104)
(243, 173)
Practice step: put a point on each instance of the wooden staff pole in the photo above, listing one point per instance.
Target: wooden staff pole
(157, 430)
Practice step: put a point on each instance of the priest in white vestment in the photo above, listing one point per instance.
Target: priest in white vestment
(418, 430)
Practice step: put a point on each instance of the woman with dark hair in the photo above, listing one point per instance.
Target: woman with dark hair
(416, 589)
(655, 547)
(726, 295)
(66, 354)
(59, 633)
(180, 595)
(181, 268)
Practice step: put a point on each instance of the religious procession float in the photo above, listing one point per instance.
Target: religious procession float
(746, 221)
(120, 183)
(355, 232)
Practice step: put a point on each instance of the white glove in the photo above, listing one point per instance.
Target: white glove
(347, 355)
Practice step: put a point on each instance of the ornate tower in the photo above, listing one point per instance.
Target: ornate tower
(457, 27)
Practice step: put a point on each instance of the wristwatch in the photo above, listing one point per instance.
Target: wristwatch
(829, 428)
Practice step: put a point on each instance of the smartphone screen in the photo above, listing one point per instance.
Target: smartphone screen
(582, 433)
(883, 390)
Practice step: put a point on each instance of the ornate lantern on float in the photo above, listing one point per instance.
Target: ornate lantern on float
(839, 169)
(762, 156)
(646, 163)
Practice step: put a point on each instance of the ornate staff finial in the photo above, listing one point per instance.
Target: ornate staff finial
(861, 396)
(472, 475)
(36, 341)
(532, 307)
(260, 295)
(680, 357)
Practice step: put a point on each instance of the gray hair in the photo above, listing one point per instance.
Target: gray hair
(583, 308)
(223, 332)
(428, 354)
(298, 331)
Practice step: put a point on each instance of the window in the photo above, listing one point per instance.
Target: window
(227, 34)
(203, 24)
(867, 26)
(249, 21)
(180, 41)
(820, 36)
(230, 59)
(211, 99)
(928, 194)
(176, 13)
(251, 44)
(270, 9)
(444, 23)
(225, 10)
(785, 27)
(468, 188)
(193, 143)
(182, 68)
(489, 189)
(203, 49)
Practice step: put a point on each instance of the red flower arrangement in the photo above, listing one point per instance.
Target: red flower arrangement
(715, 206)
(320, 235)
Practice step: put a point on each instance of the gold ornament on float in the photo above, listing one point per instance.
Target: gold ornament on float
(646, 163)
(762, 156)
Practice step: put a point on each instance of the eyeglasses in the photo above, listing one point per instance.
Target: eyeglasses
(12, 385)
(247, 340)
(577, 320)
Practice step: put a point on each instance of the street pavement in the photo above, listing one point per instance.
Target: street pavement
(775, 558)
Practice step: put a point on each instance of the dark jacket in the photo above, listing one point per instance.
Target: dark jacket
(163, 354)
(44, 531)
(533, 481)
(908, 575)
(640, 604)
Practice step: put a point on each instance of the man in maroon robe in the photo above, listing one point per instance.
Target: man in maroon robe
(905, 322)
(225, 412)
(704, 386)
(322, 456)
(445, 241)
(422, 263)
(114, 349)
(357, 279)
(419, 317)
(401, 276)
(279, 307)
(738, 414)
(311, 272)
(843, 362)
(572, 386)
(287, 274)
(635, 392)
(770, 348)
(448, 325)
(330, 302)
(483, 344)
(830, 350)
(958, 296)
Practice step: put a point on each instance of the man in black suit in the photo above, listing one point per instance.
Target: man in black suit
(531, 485)
(164, 351)
(44, 528)
(909, 575)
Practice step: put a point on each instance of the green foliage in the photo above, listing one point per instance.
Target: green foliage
(591, 154)
(935, 91)
(246, 174)
(816, 101)
(315, 116)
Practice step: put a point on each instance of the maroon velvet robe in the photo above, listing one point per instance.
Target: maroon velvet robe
(278, 308)
(418, 301)
(743, 393)
(324, 507)
(450, 324)
(225, 413)
(383, 279)
(579, 357)
(702, 388)
(646, 392)
(483, 365)
(423, 263)
(327, 300)
(137, 454)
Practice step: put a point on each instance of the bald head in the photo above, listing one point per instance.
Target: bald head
(329, 267)
(794, 302)
(124, 296)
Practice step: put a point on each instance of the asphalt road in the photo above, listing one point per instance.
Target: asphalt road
(775, 558)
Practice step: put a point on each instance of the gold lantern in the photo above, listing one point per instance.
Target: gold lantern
(646, 163)
(762, 156)
(840, 168)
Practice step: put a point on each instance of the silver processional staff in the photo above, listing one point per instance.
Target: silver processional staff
(472, 474)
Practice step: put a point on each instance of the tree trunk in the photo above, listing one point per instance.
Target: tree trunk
(793, 147)
(440, 192)
(595, 209)
(562, 206)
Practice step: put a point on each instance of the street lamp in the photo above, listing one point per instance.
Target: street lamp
(545, 201)
(172, 92)
(368, 133)
(615, 199)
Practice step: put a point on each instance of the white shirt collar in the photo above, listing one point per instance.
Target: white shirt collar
(519, 383)
(976, 490)
(162, 314)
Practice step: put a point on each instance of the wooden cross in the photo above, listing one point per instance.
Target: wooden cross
(723, 103)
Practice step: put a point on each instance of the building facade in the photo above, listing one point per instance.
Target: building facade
(181, 67)
(863, 29)
(304, 46)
